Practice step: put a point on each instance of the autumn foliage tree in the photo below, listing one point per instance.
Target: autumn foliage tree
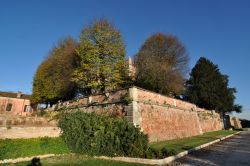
(52, 80)
(102, 58)
(209, 89)
(162, 64)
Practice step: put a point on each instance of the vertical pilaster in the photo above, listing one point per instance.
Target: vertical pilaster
(135, 108)
(198, 122)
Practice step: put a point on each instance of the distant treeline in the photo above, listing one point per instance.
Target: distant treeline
(245, 123)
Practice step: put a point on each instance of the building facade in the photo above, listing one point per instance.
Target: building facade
(15, 103)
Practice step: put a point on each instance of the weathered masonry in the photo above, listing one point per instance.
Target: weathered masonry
(164, 118)
(16, 126)
(159, 116)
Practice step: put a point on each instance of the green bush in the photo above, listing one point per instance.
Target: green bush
(92, 134)
(159, 153)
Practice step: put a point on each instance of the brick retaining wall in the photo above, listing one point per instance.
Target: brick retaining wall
(164, 118)
(27, 127)
(159, 116)
(28, 132)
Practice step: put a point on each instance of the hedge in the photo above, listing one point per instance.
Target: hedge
(88, 133)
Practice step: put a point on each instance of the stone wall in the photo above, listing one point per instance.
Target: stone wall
(159, 116)
(114, 97)
(164, 118)
(209, 121)
(112, 103)
(28, 132)
(235, 123)
(27, 127)
(162, 123)
(14, 126)
(10, 120)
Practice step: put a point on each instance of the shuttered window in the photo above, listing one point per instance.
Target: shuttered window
(9, 107)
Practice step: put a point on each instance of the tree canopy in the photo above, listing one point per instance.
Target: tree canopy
(209, 89)
(97, 64)
(102, 58)
(52, 80)
(162, 64)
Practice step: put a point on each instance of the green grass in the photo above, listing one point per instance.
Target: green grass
(72, 160)
(14, 148)
(179, 145)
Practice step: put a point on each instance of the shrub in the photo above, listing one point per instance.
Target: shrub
(159, 153)
(172, 152)
(127, 99)
(92, 134)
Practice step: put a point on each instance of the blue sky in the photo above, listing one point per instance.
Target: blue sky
(216, 29)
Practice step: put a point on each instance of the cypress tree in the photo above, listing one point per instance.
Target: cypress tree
(208, 88)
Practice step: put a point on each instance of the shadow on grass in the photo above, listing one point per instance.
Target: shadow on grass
(187, 147)
(35, 162)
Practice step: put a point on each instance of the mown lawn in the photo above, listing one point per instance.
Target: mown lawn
(74, 160)
(179, 145)
(14, 148)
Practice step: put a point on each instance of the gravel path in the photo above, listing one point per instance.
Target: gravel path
(234, 151)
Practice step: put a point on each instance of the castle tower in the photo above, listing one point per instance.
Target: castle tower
(131, 68)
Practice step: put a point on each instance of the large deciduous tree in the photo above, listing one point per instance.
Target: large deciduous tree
(52, 80)
(208, 88)
(162, 64)
(102, 58)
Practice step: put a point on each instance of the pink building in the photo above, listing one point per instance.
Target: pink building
(15, 103)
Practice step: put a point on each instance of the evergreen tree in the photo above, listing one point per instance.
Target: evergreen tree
(208, 88)
(52, 81)
(102, 58)
(162, 64)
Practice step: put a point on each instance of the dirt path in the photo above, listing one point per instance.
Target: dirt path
(231, 152)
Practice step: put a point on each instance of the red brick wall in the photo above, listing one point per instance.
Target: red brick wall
(164, 118)
(156, 98)
(162, 123)
(159, 116)
(209, 121)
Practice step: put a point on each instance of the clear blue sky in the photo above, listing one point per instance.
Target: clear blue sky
(216, 29)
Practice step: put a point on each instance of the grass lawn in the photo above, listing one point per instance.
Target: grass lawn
(179, 145)
(14, 148)
(71, 159)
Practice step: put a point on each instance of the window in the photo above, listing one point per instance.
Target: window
(27, 108)
(9, 107)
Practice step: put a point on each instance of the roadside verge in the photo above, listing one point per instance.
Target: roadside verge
(128, 159)
(166, 160)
